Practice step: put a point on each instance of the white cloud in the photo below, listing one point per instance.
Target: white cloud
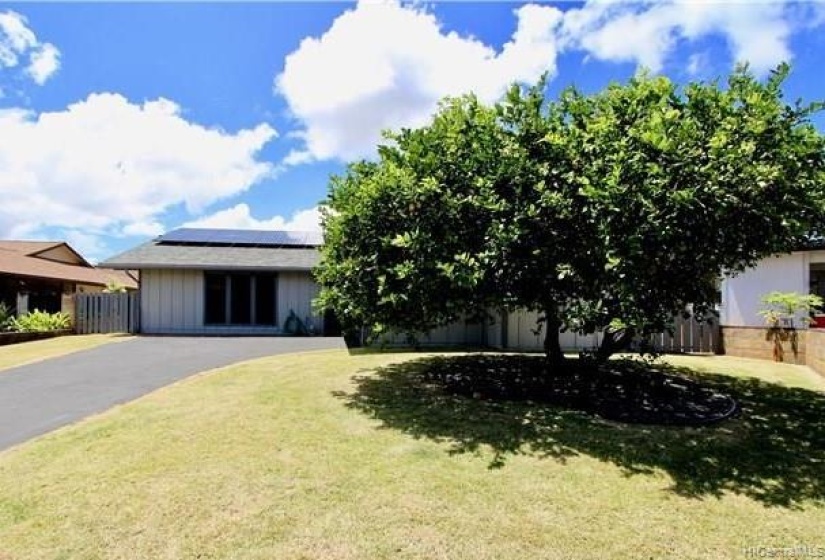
(647, 33)
(143, 229)
(89, 245)
(18, 42)
(44, 62)
(106, 165)
(384, 65)
(387, 66)
(240, 217)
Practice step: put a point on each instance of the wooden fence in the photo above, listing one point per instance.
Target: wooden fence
(107, 313)
(688, 335)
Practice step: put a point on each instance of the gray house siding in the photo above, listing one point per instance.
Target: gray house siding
(296, 290)
(172, 302)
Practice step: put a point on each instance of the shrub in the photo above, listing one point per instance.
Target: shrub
(781, 308)
(114, 287)
(40, 321)
(6, 316)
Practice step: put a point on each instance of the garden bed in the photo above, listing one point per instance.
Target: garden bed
(18, 337)
(629, 391)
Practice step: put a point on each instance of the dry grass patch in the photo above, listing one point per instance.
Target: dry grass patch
(327, 455)
(14, 355)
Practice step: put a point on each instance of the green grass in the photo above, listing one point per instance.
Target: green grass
(326, 455)
(14, 355)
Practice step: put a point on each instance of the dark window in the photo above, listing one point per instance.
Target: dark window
(215, 298)
(240, 301)
(265, 299)
(236, 298)
(818, 279)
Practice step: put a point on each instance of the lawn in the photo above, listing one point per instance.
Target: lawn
(327, 455)
(14, 355)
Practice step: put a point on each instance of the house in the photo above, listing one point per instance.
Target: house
(223, 281)
(743, 329)
(45, 275)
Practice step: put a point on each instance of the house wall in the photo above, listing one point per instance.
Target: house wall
(62, 254)
(510, 331)
(296, 290)
(172, 302)
(742, 294)
(522, 327)
(460, 333)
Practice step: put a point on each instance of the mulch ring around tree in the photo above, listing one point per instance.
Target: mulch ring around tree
(631, 391)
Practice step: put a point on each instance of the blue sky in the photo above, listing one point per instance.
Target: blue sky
(121, 121)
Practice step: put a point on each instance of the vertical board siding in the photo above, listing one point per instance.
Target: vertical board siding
(171, 300)
(295, 292)
(460, 333)
(106, 313)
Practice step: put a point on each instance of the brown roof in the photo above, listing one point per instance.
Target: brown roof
(28, 247)
(19, 258)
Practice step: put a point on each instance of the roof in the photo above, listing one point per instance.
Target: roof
(20, 259)
(28, 247)
(248, 237)
(159, 254)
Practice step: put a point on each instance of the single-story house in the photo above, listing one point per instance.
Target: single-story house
(45, 275)
(213, 281)
(743, 328)
(222, 281)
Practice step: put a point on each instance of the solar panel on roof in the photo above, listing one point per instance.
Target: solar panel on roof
(241, 237)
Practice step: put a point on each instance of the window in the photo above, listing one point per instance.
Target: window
(265, 299)
(215, 287)
(818, 279)
(240, 298)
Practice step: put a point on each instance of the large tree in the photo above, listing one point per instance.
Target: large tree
(609, 212)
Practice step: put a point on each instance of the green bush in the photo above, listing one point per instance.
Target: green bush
(6, 316)
(40, 321)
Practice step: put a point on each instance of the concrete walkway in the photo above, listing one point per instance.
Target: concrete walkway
(39, 397)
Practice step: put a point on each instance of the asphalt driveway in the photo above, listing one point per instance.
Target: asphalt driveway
(39, 397)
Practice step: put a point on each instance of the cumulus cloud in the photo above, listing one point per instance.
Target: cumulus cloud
(386, 65)
(106, 165)
(19, 47)
(240, 217)
(647, 33)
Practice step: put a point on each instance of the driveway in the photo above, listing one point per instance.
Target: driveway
(37, 398)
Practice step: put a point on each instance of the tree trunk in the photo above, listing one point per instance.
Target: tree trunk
(612, 344)
(552, 346)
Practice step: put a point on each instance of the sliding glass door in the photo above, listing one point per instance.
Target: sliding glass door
(240, 298)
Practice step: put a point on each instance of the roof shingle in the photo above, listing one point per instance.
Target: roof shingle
(159, 255)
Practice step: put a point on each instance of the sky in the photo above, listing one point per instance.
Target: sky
(120, 121)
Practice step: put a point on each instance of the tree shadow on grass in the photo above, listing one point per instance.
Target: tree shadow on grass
(773, 451)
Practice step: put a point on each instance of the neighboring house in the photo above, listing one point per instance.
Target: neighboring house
(211, 281)
(743, 329)
(45, 275)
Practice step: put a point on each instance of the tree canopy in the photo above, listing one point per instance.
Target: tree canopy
(606, 212)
